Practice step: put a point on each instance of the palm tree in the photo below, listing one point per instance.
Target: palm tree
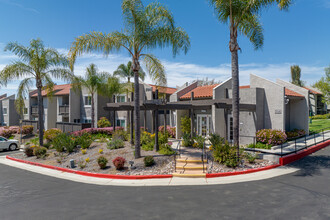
(243, 18)
(125, 71)
(146, 28)
(96, 82)
(37, 64)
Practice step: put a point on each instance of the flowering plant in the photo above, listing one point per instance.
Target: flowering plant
(107, 130)
(271, 137)
(295, 133)
(119, 162)
(170, 130)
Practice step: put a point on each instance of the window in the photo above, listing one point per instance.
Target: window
(25, 111)
(88, 100)
(5, 111)
(2, 139)
(121, 98)
(121, 123)
(76, 120)
(88, 120)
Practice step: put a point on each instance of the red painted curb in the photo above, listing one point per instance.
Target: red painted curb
(212, 175)
(99, 175)
(282, 161)
(293, 157)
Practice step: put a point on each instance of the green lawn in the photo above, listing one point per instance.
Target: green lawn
(317, 125)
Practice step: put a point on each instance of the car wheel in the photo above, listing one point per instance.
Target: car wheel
(12, 147)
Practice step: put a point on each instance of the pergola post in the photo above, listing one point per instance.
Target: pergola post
(132, 121)
(114, 114)
(165, 123)
(192, 117)
(156, 123)
(145, 119)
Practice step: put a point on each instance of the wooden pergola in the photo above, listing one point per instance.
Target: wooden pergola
(158, 104)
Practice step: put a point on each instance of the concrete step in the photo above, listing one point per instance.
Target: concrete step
(189, 168)
(190, 160)
(190, 174)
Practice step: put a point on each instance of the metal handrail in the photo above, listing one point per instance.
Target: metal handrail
(178, 149)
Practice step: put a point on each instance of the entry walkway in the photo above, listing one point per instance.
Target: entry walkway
(294, 146)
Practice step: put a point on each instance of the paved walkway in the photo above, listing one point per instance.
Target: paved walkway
(292, 146)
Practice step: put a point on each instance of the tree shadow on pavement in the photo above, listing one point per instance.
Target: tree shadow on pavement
(311, 165)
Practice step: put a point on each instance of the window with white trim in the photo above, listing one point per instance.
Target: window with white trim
(25, 111)
(120, 98)
(87, 100)
(121, 122)
(5, 111)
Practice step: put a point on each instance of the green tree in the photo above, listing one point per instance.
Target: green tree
(37, 64)
(94, 81)
(146, 28)
(242, 17)
(324, 86)
(126, 71)
(295, 75)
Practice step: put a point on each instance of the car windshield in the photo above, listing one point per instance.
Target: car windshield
(3, 139)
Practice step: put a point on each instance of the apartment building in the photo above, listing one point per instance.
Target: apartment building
(67, 105)
(263, 104)
(8, 113)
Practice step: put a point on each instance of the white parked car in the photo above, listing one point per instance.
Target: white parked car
(6, 144)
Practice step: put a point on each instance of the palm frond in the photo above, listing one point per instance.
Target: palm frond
(22, 93)
(251, 28)
(15, 71)
(19, 50)
(155, 69)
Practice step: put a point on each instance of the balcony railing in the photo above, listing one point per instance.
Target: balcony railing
(63, 109)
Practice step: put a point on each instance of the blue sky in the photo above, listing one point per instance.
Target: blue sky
(299, 36)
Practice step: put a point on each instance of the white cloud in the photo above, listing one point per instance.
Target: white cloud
(179, 73)
(9, 2)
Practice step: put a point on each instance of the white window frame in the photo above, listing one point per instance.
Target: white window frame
(27, 111)
(87, 120)
(121, 95)
(121, 119)
(4, 110)
(86, 95)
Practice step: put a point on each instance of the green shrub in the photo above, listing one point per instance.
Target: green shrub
(119, 162)
(187, 140)
(64, 141)
(148, 146)
(50, 134)
(27, 129)
(185, 125)
(162, 138)
(295, 133)
(149, 161)
(102, 162)
(103, 123)
(325, 116)
(165, 149)
(116, 144)
(84, 141)
(47, 144)
(28, 150)
(82, 164)
(225, 154)
(215, 139)
(199, 141)
(260, 146)
(40, 152)
(146, 138)
(35, 141)
(251, 157)
(120, 134)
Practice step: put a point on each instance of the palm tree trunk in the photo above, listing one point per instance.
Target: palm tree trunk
(92, 110)
(40, 114)
(136, 67)
(234, 47)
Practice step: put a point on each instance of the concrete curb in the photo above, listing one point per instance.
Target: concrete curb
(282, 161)
(294, 157)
